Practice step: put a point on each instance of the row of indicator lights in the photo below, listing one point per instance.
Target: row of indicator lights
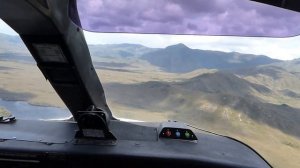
(168, 133)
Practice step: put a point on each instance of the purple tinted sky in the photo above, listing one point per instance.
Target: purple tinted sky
(216, 17)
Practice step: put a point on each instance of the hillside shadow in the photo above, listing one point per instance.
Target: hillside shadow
(14, 96)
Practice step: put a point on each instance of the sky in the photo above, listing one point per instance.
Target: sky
(279, 48)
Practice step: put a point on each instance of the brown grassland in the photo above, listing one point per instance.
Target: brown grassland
(280, 149)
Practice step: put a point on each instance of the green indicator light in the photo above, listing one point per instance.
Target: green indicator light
(187, 134)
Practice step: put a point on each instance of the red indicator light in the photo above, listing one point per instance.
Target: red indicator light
(168, 133)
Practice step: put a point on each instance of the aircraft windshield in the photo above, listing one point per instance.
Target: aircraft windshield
(246, 88)
(243, 87)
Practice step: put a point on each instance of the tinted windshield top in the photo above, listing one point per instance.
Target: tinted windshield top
(213, 17)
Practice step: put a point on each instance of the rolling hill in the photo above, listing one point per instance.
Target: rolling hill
(13, 49)
(218, 92)
(12, 44)
(119, 50)
(181, 59)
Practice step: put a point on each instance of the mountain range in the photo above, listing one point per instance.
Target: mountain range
(217, 92)
(242, 85)
(181, 59)
(175, 58)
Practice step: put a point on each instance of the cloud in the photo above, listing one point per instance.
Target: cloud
(216, 17)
